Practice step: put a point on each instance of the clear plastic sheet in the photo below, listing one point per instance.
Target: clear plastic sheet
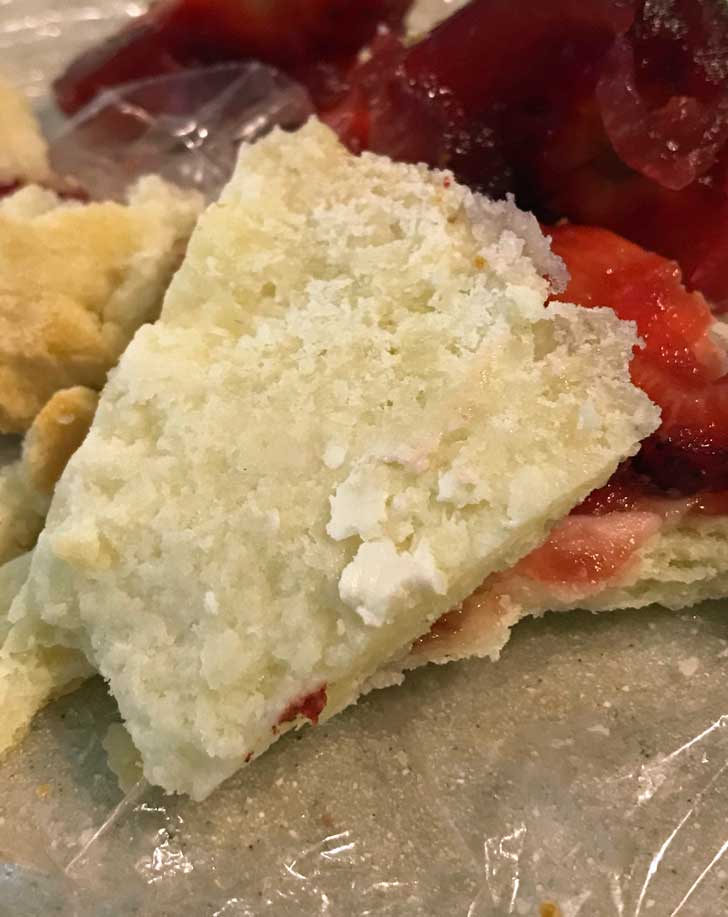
(186, 127)
(586, 773)
(587, 768)
(37, 37)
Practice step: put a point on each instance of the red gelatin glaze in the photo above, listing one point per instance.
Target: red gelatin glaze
(609, 112)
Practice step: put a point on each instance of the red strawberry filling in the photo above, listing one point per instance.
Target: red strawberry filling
(608, 112)
(682, 468)
(310, 706)
(584, 550)
(682, 365)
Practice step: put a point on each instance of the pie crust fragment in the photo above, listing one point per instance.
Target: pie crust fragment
(23, 149)
(76, 281)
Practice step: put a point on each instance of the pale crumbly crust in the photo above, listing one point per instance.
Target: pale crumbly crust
(353, 408)
(30, 679)
(22, 512)
(76, 281)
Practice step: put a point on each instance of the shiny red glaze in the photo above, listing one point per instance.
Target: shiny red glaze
(449, 623)
(310, 706)
(6, 189)
(588, 550)
(713, 504)
(470, 94)
(626, 490)
(609, 112)
(315, 40)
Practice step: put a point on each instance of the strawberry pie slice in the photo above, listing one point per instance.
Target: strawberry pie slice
(598, 117)
(356, 406)
(609, 113)
(606, 113)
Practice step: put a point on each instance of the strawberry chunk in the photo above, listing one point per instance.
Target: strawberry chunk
(681, 367)
(490, 78)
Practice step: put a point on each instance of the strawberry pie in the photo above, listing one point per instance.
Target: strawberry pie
(608, 119)
(384, 413)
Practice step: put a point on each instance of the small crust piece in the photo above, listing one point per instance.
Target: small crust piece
(56, 433)
(30, 679)
(23, 150)
(354, 407)
(26, 483)
(76, 281)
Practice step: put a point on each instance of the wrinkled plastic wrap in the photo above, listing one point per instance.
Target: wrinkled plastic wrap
(186, 127)
(586, 773)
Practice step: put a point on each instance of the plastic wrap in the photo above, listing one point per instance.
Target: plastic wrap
(587, 768)
(186, 127)
(585, 773)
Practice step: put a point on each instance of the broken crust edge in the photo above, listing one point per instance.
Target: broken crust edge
(60, 670)
(31, 679)
(678, 568)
